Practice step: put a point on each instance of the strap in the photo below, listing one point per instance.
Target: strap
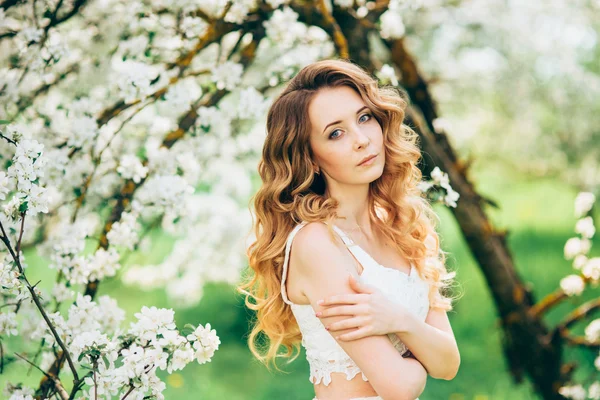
(364, 258)
(345, 238)
(286, 260)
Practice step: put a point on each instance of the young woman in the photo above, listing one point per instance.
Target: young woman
(361, 287)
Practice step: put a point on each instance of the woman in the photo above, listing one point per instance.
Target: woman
(338, 163)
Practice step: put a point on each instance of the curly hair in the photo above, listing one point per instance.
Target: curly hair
(292, 192)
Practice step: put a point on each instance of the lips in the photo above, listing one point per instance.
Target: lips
(368, 159)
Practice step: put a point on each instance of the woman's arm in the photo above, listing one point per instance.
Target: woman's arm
(322, 270)
(432, 342)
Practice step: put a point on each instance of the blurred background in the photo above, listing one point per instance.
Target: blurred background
(513, 89)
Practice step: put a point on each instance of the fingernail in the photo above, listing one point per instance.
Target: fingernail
(318, 314)
(327, 327)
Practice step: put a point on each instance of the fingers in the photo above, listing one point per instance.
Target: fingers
(343, 299)
(340, 310)
(357, 334)
(347, 323)
(358, 286)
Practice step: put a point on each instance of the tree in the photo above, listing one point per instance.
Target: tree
(124, 117)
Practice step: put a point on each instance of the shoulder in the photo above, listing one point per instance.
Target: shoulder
(316, 235)
(315, 245)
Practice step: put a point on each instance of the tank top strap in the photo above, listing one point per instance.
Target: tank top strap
(364, 258)
(286, 260)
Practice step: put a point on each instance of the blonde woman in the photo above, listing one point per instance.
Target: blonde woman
(346, 259)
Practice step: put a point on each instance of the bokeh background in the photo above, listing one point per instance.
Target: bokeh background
(517, 87)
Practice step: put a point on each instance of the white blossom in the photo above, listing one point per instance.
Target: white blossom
(130, 167)
(344, 3)
(283, 28)
(227, 75)
(181, 95)
(62, 293)
(585, 227)
(181, 357)
(4, 185)
(277, 3)
(572, 285)
(134, 79)
(239, 11)
(592, 331)
(387, 74)
(251, 104)
(579, 261)
(164, 191)
(583, 203)
(594, 391)
(125, 231)
(87, 340)
(103, 263)
(205, 341)
(8, 324)
(151, 322)
(576, 392)
(576, 246)
(591, 269)
(391, 25)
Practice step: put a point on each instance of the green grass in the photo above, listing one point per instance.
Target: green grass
(539, 217)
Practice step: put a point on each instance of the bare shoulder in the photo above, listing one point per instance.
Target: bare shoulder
(315, 246)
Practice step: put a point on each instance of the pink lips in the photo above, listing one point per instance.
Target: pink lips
(368, 161)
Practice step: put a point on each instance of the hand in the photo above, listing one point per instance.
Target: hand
(372, 313)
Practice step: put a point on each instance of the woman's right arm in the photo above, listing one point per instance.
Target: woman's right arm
(322, 270)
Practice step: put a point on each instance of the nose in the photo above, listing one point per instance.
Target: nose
(361, 139)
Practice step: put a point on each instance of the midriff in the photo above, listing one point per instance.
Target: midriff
(341, 388)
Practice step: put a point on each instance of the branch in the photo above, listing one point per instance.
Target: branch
(57, 384)
(127, 191)
(580, 341)
(6, 4)
(552, 300)
(578, 314)
(331, 26)
(37, 301)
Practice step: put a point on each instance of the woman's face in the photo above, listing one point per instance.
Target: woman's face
(344, 132)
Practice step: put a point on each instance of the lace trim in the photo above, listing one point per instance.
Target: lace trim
(321, 368)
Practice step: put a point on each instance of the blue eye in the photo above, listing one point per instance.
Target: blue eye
(330, 136)
(364, 115)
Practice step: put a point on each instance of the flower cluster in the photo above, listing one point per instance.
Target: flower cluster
(577, 249)
(446, 194)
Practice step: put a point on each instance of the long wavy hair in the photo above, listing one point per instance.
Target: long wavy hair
(292, 192)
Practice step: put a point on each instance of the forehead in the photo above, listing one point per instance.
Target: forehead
(332, 104)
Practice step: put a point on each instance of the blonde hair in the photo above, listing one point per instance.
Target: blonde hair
(291, 192)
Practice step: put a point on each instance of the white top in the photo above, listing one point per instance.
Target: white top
(323, 352)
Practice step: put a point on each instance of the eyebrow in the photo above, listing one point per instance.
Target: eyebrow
(337, 122)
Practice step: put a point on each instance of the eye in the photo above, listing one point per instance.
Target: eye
(331, 135)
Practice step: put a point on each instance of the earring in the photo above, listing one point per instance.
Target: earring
(317, 172)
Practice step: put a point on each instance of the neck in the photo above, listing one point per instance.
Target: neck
(353, 210)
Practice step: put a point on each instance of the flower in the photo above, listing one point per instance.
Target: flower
(572, 285)
(583, 203)
(205, 341)
(585, 227)
(575, 246)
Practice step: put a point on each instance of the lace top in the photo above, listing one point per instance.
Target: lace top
(323, 352)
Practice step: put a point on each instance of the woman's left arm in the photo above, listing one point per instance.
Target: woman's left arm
(432, 342)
